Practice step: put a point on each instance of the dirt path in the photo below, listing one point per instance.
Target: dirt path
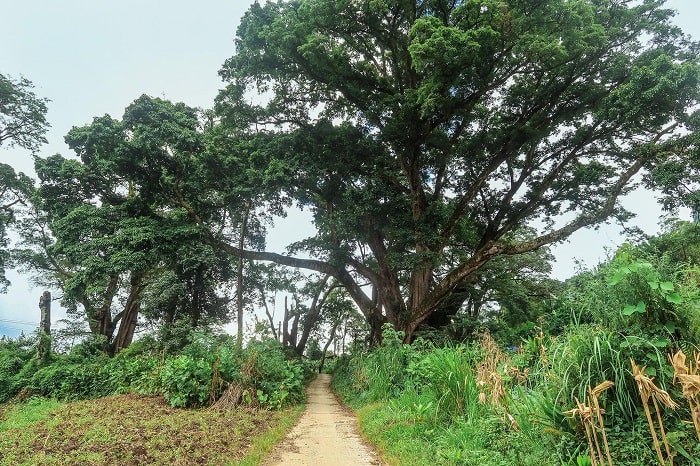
(326, 435)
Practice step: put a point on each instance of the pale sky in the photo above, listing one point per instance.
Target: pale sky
(94, 57)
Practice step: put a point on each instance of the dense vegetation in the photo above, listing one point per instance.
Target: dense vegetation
(441, 146)
(523, 401)
(198, 374)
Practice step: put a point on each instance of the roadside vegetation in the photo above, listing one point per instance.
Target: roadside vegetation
(565, 392)
(210, 402)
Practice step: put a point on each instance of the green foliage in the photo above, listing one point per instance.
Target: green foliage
(22, 114)
(194, 377)
(208, 364)
(387, 102)
(15, 355)
(587, 356)
(489, 441)
(279, 380)
(15, 190)
(186, 381)
(386, 367)
(448, 374)
(140, 373)
(71, 379)
(430, 395)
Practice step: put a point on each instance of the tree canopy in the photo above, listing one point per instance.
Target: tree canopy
(424, 134)
(22, 114)
(22, 124)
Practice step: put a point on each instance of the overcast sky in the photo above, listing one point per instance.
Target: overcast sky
(92, 57)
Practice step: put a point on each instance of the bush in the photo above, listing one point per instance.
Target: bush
(14, 356)
(134, 370)
(196, 377)
(276, 380)
(71, 378)
(186, 381)
(209, 364)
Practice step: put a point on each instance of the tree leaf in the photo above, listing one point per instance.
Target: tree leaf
(661, 342)
(674, 298)
(666, 286)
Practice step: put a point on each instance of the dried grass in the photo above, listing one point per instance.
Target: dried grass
(649, 390)
(688, 377)
(591, 416)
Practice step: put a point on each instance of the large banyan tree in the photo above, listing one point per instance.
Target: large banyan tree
(423, 135)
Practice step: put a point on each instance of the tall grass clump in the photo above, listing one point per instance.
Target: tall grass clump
(585, 357)
(385, 368)
(589, 355)
(448, 374)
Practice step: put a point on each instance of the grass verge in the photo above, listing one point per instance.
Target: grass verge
(263, 444)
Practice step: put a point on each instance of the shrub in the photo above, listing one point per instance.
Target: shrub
(209, 364)
(14, 356)
(140, 373)
(186, 381)
(276, 380)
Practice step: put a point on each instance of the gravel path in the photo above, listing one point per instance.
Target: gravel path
(326, 435)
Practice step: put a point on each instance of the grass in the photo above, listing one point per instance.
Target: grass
(19, 416)
(131, 429)
(398, 439)
(409, 440)
(265, 442)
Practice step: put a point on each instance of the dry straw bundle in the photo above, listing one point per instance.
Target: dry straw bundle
(688, 377)
(488, 378)
(648, 390)
(591, 416)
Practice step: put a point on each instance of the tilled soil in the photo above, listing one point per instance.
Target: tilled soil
(326, 435)
(135, 430)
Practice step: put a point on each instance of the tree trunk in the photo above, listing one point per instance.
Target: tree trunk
(130, 314)
(269, 315)
(314, 314)
(197, 295)
(239, 278)
(44, 348)
(285, 324)
(100, 319)
(331, 337)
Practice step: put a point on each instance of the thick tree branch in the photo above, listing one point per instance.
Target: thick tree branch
(342, 275)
